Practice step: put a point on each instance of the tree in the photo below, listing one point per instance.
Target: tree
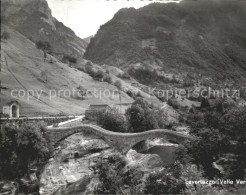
(205, 103)
(82, 92)
(234, 123)
(114, 121)
(21, 147)
(136, 118)
(165, 181)
(206, 148)
(220, 107)
(116, 178)
(143, 116)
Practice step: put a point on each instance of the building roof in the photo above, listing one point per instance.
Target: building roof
(98, 106)
(12, 102)
(124, 104)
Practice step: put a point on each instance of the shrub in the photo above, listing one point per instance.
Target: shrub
(89, 69)
(139, 94)
(131, 94)
(124, 75)
(108, 79)
(5, 35)
(44, 45)
(70, 59)
(118, 84)
(99, 75)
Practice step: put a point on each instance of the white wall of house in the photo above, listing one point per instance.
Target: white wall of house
(8, 109)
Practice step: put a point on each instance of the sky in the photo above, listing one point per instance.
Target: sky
(84, 17)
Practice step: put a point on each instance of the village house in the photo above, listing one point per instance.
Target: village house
(12, 109)
(96, 110)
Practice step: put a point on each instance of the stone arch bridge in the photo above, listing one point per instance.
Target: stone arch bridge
(122, 142)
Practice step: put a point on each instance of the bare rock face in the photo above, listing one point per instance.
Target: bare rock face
(16, 5)
(147, 161)
(71, 165)
(72, 169)
(33, 19)
(75, 188)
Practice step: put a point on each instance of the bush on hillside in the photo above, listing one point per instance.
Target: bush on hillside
(124, 75)
(108, 79)
(44, 46)
(118, 84)
(89, 69)
(69, 59)
(99, 75)
(82, 92)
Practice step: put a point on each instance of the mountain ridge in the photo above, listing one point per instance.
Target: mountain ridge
(204, 38)
(34, 20)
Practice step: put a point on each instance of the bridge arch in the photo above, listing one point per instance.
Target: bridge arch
(122, 142)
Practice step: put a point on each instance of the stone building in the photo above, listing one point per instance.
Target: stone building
(96, 110)
(12, 109)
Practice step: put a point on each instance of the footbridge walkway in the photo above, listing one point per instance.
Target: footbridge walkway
(122, 142)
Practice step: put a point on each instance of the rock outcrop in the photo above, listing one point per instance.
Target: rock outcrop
(34, 20)
(72, 169)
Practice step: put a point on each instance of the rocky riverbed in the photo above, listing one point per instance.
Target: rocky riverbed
(71, 170)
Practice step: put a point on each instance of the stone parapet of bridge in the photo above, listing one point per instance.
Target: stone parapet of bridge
(122, 142)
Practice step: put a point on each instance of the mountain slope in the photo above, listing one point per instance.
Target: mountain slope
(203, 38)
(50, 84)
(33, 19)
